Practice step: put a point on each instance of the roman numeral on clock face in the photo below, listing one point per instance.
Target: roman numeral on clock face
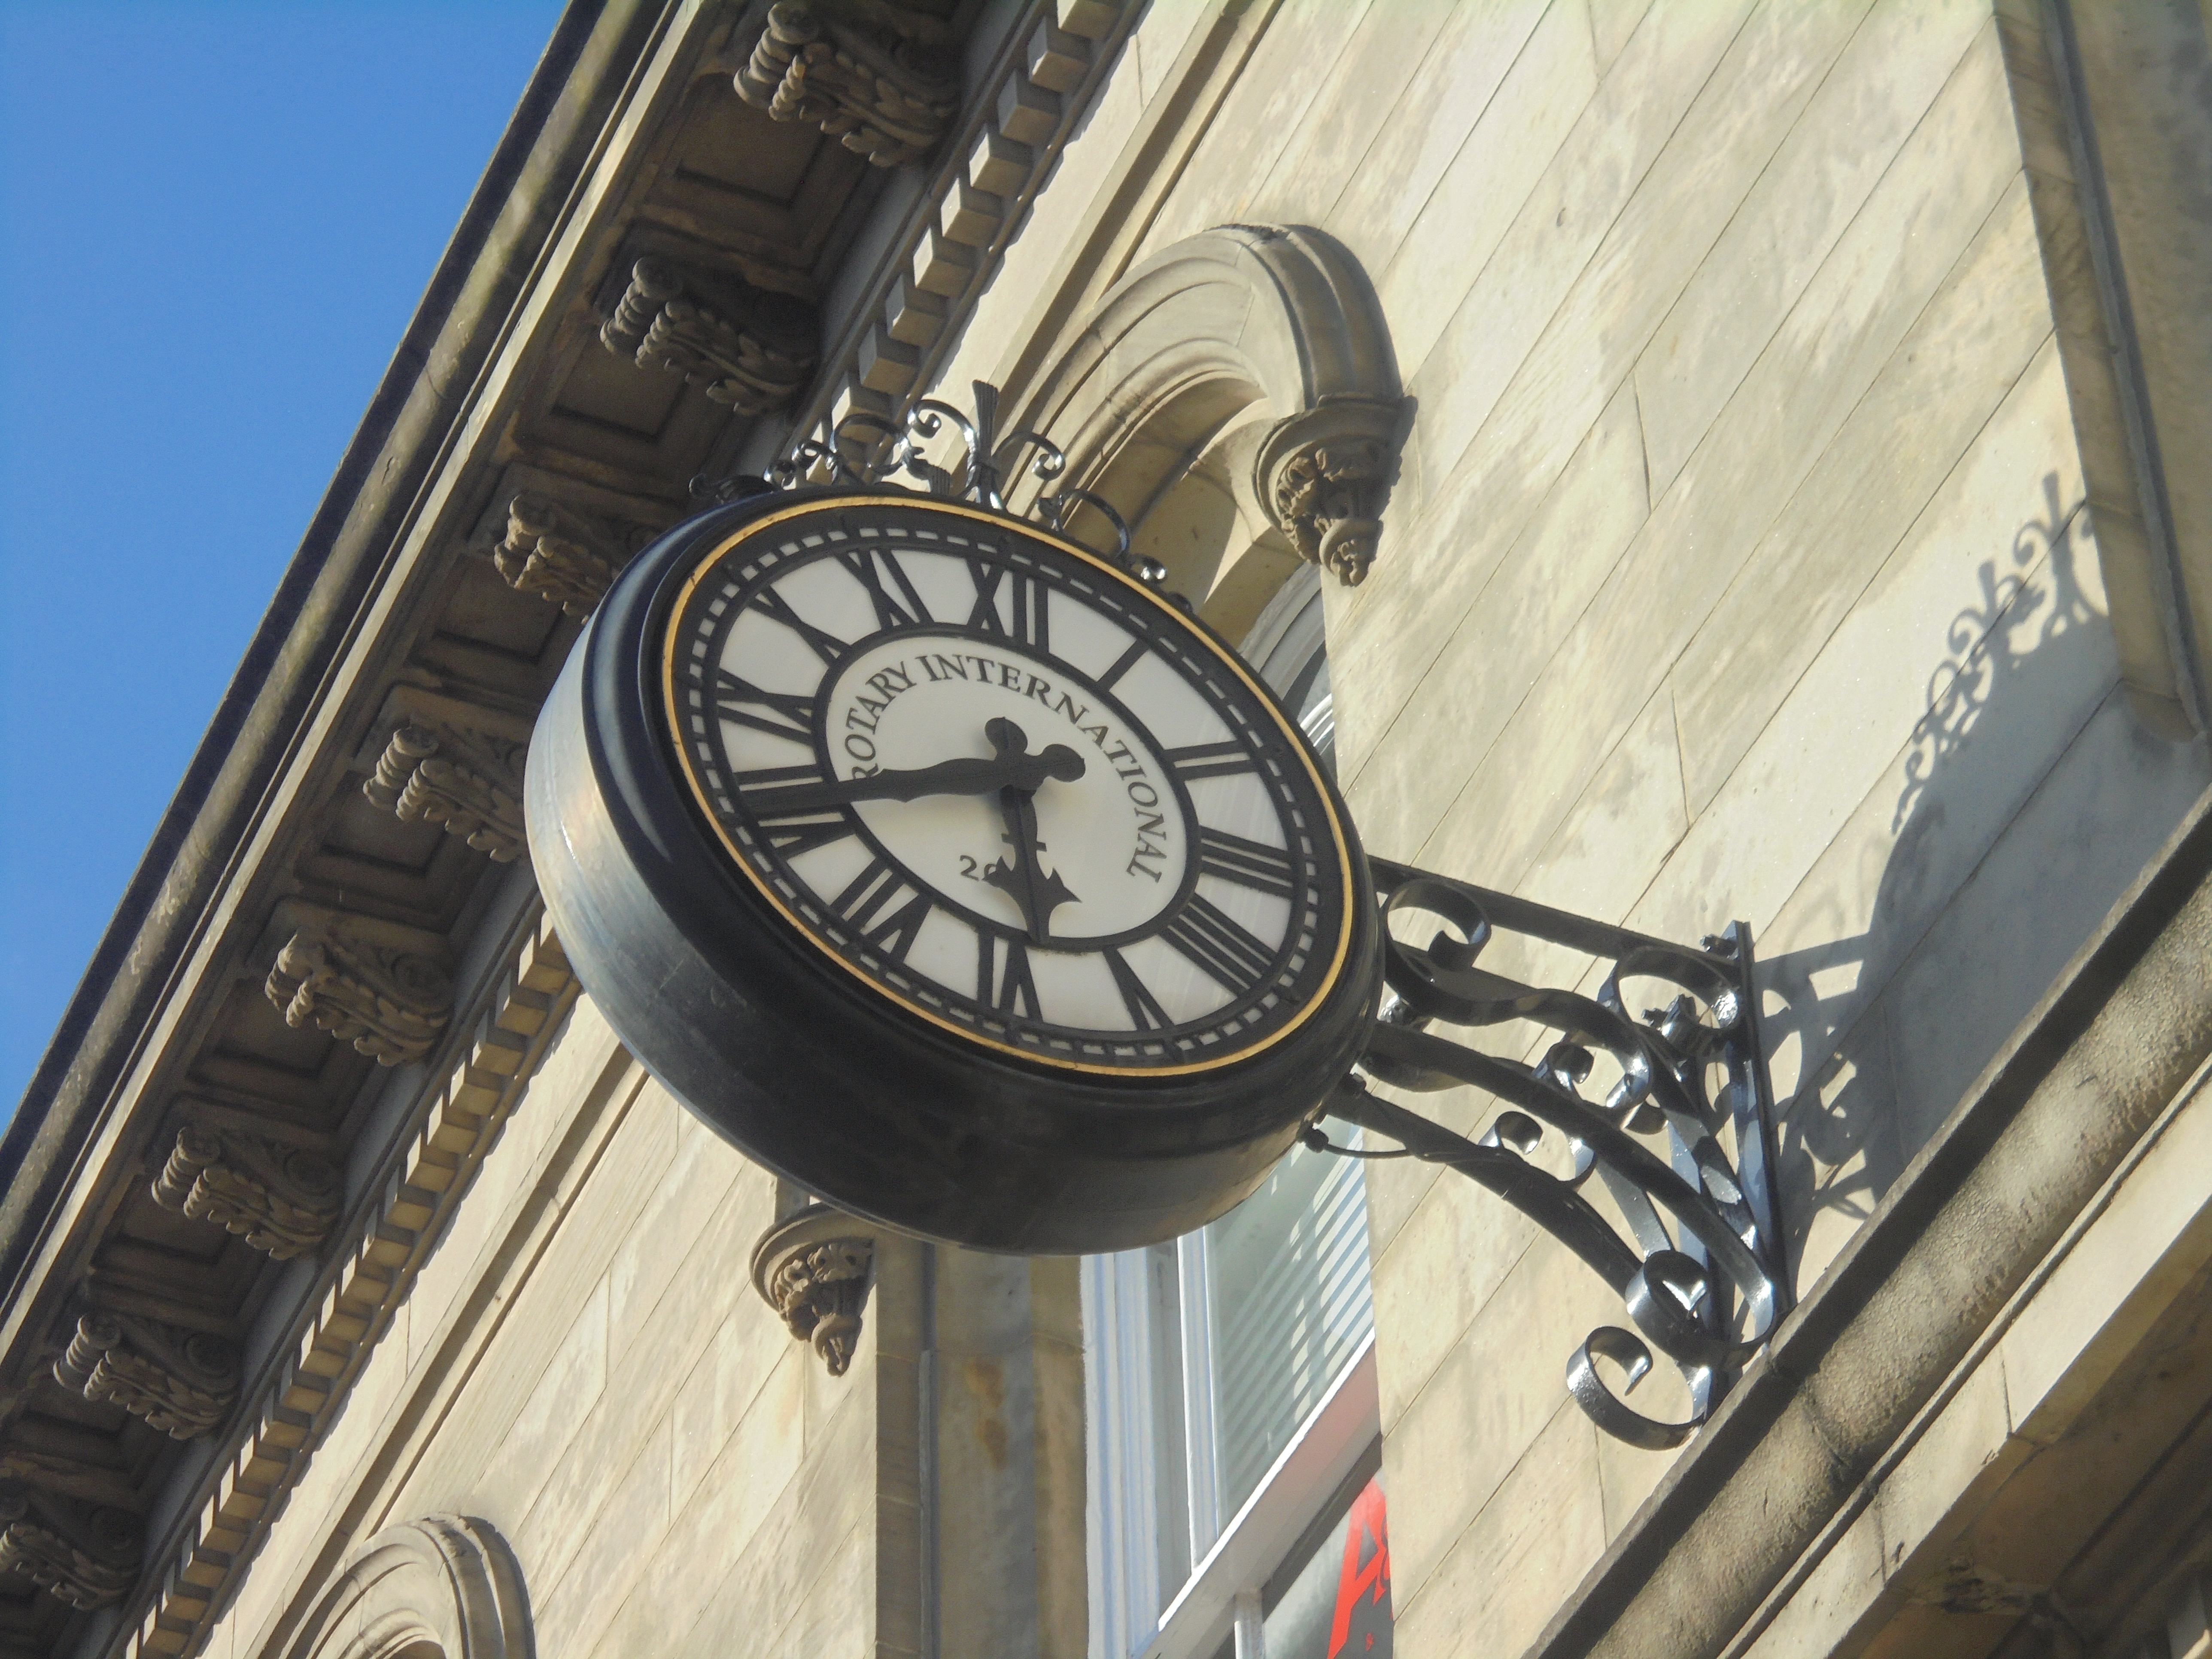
(794, 833)
(1027, 600)
(1211, 760)
(901, 609)
(1122, 664)
(887, 911)
(1219, 944)
(1248, 863)
(1003, 981)
(1146, 1013)
(776, 712)
(824, 644)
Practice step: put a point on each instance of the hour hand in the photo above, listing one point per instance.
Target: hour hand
(1036, 891)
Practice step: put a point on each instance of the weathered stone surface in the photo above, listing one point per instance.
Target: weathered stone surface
(85, 1554)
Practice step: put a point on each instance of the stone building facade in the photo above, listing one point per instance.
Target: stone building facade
(1687, 464)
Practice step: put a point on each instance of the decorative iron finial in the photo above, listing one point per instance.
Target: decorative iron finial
(984, 469)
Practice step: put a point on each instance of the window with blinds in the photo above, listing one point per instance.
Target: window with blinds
(1206, 1357)
(1290, 1301)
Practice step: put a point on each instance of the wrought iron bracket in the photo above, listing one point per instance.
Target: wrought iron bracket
(1696, 1255)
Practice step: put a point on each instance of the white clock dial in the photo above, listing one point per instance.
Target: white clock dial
(1008, 787)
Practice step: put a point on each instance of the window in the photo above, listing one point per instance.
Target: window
(1232, 1404)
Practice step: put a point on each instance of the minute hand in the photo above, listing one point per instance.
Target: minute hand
(961, 777)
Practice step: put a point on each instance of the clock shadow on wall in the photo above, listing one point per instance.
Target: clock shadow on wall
(951, 870)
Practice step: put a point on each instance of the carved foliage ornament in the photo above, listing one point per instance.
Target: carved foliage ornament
(743, 346)
(560, 555)
(279, 1198)
(880, 80)
(181, 1382)
(1324, 476)
(390, 1003)
(469, 782)
(86, 1554)
(814, 1270)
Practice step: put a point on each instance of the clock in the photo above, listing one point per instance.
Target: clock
(952, 871)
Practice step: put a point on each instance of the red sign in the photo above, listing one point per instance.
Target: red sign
(1361, 1625)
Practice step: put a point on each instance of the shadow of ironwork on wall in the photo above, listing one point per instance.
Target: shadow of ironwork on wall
(1866, 1060)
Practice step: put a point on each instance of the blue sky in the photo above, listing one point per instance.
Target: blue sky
(216, 220)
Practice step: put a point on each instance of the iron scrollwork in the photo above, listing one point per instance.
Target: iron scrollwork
(986, 465)
(1700, 1271)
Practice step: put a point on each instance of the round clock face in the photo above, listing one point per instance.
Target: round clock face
(1008, 787)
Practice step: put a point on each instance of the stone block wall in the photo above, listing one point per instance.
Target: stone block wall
(583, 1365)
(1738, 567)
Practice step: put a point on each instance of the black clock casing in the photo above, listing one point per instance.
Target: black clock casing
(819, 1074)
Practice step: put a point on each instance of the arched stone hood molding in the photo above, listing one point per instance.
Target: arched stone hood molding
(445, 1583)
(1240, 322)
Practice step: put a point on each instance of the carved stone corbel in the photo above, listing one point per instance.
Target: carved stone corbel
(182, 1382)
(1324, 474)
(562, 555)
(279, 1198)
(390, 1001)
(85, 1553)
(747, 347)
(812, 1268)
(882, 80)
(469, 780)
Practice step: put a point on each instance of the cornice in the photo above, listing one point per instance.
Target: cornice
(301, 1384)
(164, 908)
(315, 1008)
(902, 322)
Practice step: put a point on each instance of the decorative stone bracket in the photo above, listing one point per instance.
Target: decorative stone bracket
(182, 1382)
(280, 1199)
(747, 347)
(568, 557)
(882, 80)
(390, 1001)
(812, 1268)
(86, 1554)
(1324, 475)
(469, 780)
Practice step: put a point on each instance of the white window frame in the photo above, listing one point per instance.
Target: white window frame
(1307, 1473)
(1236, 1557)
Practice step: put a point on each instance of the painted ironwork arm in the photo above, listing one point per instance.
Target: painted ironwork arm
(1698, 1272)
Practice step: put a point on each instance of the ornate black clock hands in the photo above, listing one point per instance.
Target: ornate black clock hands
(1012, 772)
(1036, 891)
(1008, 769)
